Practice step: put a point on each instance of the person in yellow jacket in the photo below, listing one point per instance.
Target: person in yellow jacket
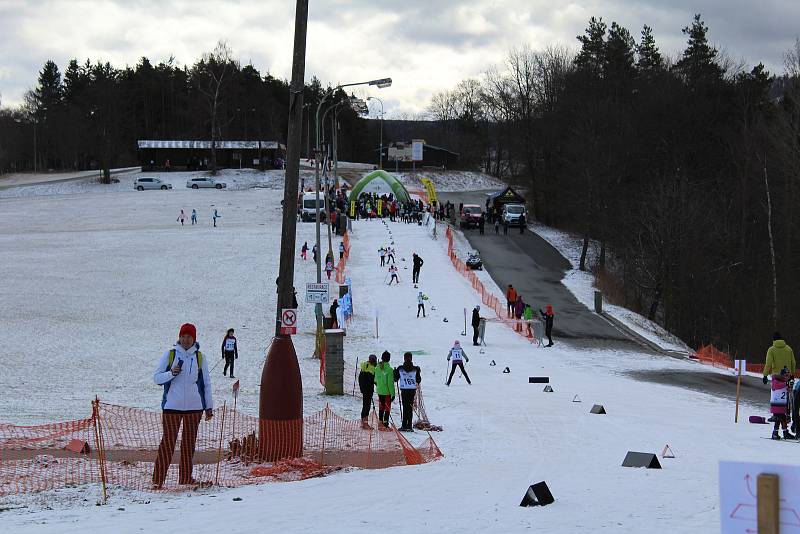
(366, 384)
(384, 382)
(779, 355)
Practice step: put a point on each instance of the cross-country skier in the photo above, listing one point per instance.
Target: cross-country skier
(341, 250)
(457, 356)
(393, 274)
(384, 384)
(314, 253)
(778, 401)
(304, 251)
(421, 303)
(408, 376)
(548, 317)
(390, 254)
(366, 384)
(230, 351)
(329, 269)
(418, 263)
(382, 252)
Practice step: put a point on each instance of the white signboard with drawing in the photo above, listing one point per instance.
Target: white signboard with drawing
(737, 496)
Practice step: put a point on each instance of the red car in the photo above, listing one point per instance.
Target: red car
(470, 215)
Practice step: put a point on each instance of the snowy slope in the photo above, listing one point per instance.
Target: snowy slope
(96, 285)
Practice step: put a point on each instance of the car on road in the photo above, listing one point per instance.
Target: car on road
(511, 214)
(205, 181)
(147, 182)
(470, 215)
(308, 207)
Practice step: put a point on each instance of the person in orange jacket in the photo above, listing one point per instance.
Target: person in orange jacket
(511, 300)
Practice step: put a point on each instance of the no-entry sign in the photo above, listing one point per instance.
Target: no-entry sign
(288, 321)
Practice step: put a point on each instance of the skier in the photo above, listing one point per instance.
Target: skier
(476, 322)
(421, 303)
(511, 298)
(328, 268)
(194, 216)
(304, 251)
(382, 252)
(181, 218)
(409, 377)
(384, 383)
(366, 384)
(393, 274)
(230, 351)
(314, 253)
(183, 372)
(390, 254)
(215, 217)
(548, 317)
(777, 403)
(341, 250)
(457, 355)
(418, 263)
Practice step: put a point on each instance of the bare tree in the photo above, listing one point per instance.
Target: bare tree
(213, 69)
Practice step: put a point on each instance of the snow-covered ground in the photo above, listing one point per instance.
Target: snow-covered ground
(582, 285)
(448, 180)
(95, 286)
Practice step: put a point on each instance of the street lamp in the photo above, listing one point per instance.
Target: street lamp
(381, 84)
(380, 159)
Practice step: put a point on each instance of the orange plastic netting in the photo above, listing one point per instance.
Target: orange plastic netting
(119, 446)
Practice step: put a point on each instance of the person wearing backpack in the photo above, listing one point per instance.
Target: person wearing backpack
(230, 351)
(183, 372)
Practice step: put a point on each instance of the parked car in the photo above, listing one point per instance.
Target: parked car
(308, 209)
(146, 182)
(470, 215)
(205, 181)
(512, 213)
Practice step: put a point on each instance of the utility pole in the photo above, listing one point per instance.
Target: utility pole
(280, 423)
(380, 158)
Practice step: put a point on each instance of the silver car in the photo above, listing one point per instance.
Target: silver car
(197, 183)
(140, 184)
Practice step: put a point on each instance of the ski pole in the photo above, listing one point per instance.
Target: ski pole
(446, 370)
(355, 379)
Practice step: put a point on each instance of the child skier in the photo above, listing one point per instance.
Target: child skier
(341, 250)
(390, 252)
(393, 274)
(329, 269)
(304, 251)
(230, 351)
(384, 384)
(382, 252)
(457, 355)
(777, 403)
(421, 303)
(194, 216)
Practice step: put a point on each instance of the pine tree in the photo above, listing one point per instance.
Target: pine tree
(650, 59)
(698, 63)
(591, 56)
(619, 52)
(49, 90)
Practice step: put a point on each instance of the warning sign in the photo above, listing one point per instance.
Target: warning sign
(288, 321)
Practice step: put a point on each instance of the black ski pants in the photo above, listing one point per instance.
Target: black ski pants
(421, 308)
(415, 275)
(407, 399)
(366, 394)
(229, 359)
(474, 335)
(460, 365)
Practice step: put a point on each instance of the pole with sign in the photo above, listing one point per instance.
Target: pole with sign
(288, 321)
(740, 364)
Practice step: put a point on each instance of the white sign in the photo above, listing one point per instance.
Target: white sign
(741, 366)
(737, 496)
(288, 321)
(317, 293)
(416, 149)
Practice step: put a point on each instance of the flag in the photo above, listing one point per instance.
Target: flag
(235, 389)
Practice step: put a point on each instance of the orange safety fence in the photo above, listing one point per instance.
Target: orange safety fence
(488, 299)
(710, 355)
(124, 447)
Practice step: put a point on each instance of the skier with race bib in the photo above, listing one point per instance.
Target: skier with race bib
(780, 362)
(230, 351)
(457, 356)
(408, 377)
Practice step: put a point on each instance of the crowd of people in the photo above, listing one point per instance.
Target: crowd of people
(382, 377)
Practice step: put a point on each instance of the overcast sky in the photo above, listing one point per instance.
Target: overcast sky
(424, 45)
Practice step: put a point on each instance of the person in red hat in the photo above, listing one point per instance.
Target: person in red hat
(183, 372)
(548, 317)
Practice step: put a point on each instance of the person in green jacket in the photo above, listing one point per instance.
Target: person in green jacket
(384, 382)
(527, 315)
(779, 355)
(366, 384)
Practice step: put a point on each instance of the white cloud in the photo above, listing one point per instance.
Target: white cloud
(425, 46)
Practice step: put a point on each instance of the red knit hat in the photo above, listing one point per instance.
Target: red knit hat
(188, 328)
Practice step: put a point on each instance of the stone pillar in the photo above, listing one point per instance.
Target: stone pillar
(598, 301)
(334, 361)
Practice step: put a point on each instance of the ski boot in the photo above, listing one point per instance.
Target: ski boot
(775, 435)
(365, 425)
(787, 434)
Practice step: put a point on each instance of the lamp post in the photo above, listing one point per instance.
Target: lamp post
(380, 159)
(380, 83)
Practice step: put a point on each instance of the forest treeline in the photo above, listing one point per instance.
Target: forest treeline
(686, 171)
(91, 114)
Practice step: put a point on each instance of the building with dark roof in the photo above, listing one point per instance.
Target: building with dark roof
(196, 155)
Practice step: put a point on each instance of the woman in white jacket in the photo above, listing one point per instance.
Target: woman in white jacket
(183, 371)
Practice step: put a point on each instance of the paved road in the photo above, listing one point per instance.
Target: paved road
(536, 269)
(26, 179)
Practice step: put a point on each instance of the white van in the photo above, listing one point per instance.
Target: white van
(308, 206)
(512, 213)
